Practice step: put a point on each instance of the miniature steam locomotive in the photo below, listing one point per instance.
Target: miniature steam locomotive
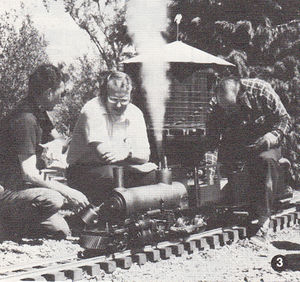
(143, 215)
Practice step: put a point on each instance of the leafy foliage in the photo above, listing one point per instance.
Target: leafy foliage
(261, 37)
(21, 50)
(104, 22)
(84, 82)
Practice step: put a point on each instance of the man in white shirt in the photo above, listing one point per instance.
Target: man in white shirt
(110, 132)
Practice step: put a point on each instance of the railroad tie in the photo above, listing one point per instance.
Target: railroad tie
(75, 274)
(224, 238)
(209, 239)
(213, 241)
(92, 269)
(272, 225)
(291, 217)
(202, 244)
(165, 252)
(178, 250)
(108, 266)
(190, 246)
(124, 263)
(153, 255)
(297, 216)
(242, 231)
(284, 221)
(55, 276)
(139, 258)
(277, 224)
(233, 234)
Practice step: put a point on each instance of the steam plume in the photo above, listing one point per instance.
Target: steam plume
(146, 19)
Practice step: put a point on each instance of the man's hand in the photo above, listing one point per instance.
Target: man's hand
(266, 142)
(113, 154)
(76, 199)
(116, 154)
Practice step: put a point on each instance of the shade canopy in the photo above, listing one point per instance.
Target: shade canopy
(179, 52)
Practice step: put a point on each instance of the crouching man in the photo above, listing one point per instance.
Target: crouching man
(110, 132)
(29, 204)
(248, 124)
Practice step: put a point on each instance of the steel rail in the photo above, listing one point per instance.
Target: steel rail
(35, 263)
(214, 238)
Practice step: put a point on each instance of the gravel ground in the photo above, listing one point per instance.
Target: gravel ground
(242, 261)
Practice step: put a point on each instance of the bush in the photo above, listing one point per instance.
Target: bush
(21, 51)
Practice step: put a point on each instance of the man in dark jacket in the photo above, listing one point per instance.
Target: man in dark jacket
(28, 202)
(248, 123)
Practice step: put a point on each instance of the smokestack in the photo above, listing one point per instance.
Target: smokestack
(160, 146)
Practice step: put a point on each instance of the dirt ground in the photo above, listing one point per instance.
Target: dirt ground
(241, 261)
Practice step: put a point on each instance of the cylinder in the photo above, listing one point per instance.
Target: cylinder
(118, 174)
(164, 176)
(149, 197)
(89, 215)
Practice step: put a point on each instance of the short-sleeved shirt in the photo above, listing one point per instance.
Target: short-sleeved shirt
(95, 124)
(21, 133)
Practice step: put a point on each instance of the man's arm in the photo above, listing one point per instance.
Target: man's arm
(107, 153)
(137, 140)
(273, 105)
(90, 131)
(94, 127)
(123, 154)
(31, 174)
(24, 132)
(133, 150)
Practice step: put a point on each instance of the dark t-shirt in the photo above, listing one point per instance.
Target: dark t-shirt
(21, 133)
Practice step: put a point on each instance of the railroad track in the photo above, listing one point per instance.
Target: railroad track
(76, 268)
